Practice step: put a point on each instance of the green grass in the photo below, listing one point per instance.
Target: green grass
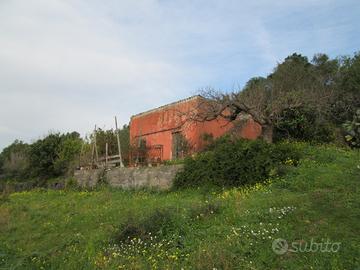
(318, 201)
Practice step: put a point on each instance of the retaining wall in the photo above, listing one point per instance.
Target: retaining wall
(154, 177)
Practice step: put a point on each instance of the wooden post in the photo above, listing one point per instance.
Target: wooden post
(118, 143)
(106, 154)
(81, 152)
(93, 150)
(95, 146)
(92, 155)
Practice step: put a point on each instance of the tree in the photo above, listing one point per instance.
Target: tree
(68, 155)
(52, 155)
(43, 154)
(304, 125)
(348, 97)
(109, 136)
(14, 160)
(295, 83)
(124, 134)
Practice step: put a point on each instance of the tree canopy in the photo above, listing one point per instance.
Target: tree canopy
(328, 88)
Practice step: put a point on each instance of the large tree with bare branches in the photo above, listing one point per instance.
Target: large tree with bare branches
(295, 83)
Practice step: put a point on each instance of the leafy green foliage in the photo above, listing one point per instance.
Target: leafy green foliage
(56, 154)
(68, 154)
(14, 160)
(348, 96)
(310, 90)
(304, 125)
(52, 155)
(352, 130)
(43, 154)
(316, 95)
(234, 162)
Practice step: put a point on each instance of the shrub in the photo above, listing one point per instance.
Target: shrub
(235, 162)
(197, 169)
(14, 160)
(43, 154)
(160, 222)
(53, 155)
(352, 130)
(68, 153)
(303, 124)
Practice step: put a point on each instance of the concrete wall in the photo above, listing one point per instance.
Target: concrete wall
(88, 178)
(154, 177)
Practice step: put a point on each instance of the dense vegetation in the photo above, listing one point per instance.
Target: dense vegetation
(317, 201)
(56, 155)
(301, 99)
(233, 162)
(352, 129)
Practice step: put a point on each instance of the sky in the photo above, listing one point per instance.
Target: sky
(67, 65)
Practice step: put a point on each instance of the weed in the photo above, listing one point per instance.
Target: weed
(159, 222)
(205, 210)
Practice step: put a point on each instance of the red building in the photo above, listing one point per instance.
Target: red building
(166, 132)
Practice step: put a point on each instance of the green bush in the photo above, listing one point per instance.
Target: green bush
(54, 155)
(352, 130)
(235, 162)
(159, 222)
(14, 160)
(68, 153)
(303, 124)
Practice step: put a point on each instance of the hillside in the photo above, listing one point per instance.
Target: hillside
(316, 205)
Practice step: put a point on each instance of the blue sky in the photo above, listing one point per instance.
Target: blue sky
(68, 65)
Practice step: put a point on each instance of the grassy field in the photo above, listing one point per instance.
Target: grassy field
(315, 207)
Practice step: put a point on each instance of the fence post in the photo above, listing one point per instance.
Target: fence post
(106, 154)
(118, 143)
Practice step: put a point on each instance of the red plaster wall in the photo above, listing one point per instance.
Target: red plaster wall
(157, 126)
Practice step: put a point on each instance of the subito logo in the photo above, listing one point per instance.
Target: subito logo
(280, 246)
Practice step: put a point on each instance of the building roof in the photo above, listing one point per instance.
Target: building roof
(167, 105)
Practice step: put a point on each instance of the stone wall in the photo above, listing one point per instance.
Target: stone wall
(88, 178)
(154, 177)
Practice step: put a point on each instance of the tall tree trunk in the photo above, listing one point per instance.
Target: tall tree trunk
(267, 133)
